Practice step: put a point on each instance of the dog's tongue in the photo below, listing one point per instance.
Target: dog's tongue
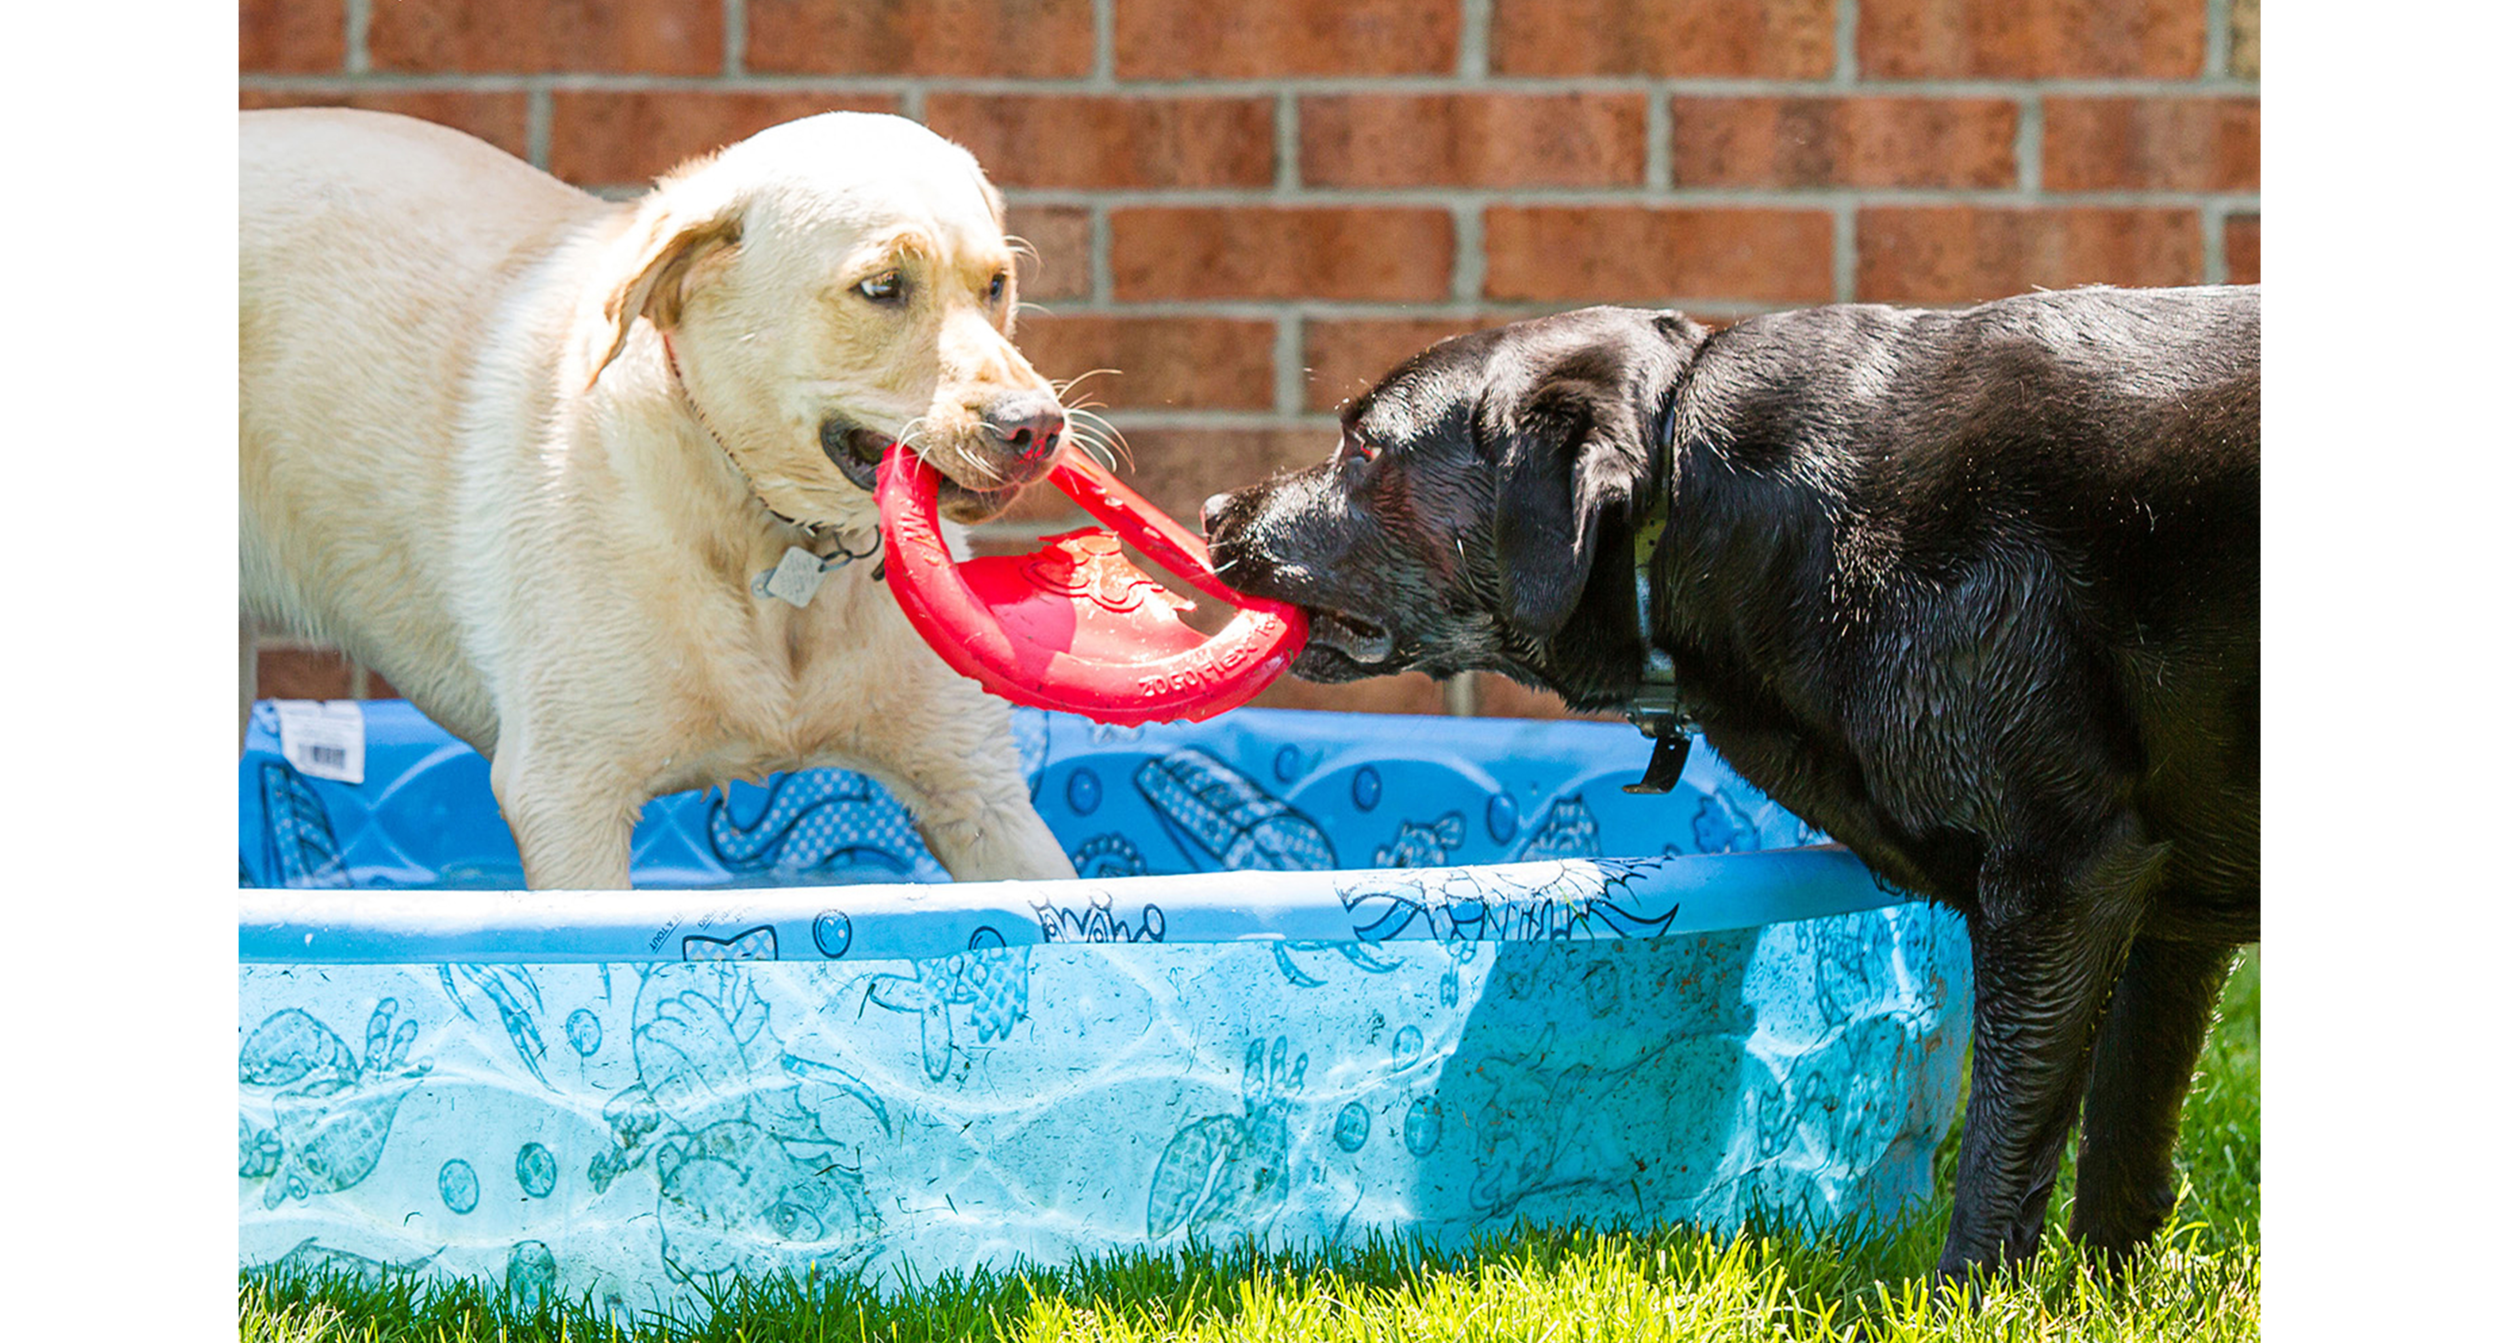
(1360, 645)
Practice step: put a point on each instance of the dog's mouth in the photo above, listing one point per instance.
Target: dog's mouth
(856, 453)
(1350, 636)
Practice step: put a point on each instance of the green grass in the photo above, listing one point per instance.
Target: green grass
(2199, 1283)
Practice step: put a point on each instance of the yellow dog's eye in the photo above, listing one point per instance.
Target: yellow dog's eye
(998, 286)
(883, 287)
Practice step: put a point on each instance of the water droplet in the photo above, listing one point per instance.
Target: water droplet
(1084, 791)
(1366, 788)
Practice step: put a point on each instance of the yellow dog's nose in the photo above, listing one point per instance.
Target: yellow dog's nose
(1026, 424)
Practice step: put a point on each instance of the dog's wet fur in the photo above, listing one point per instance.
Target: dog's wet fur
(1973, 591)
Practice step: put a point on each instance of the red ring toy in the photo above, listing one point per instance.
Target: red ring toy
(1074, 625)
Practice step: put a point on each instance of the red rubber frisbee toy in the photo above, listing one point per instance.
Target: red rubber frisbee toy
(1074, 625)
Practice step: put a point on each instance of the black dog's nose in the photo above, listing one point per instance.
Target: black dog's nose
(1028, 423)
(1211, 513)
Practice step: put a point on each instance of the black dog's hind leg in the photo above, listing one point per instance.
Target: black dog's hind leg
(2141, 1067)
(2046, 946)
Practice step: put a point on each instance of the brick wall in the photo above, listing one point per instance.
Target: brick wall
(1253, 209)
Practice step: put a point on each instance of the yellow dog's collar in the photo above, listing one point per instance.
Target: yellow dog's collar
(802, 567)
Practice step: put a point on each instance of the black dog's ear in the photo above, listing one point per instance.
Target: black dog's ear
(1572, 452)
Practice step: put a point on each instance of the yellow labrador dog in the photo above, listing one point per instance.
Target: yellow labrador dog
(569, 472)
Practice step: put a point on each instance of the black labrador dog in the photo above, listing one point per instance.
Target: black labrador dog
(1975, 592)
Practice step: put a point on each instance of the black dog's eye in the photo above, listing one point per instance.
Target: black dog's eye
(998, 286)
(1353, 445)
(884, 287)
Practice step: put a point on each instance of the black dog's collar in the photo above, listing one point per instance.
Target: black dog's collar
(1657, 708)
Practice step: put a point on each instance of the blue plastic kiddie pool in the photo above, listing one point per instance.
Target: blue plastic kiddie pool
(1322, 975)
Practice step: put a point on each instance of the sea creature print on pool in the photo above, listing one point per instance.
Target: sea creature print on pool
(322, 1115)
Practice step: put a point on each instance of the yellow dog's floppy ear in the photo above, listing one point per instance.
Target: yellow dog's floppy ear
(666, 252)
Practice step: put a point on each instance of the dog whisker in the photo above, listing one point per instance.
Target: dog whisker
(1063, 388)
(1082, 418)
(1098, 449)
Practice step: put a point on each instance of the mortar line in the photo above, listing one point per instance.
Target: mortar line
(2027, 170)
(1287, 128)
(1659, 172)
(1105, 46)
(1475, 39)
(358, 17)
(2217, 250)
(1287, 352)
(1098, 253)
(2217, 39)
(539, 131)
(1845, 45)
(1467, 260)
(1845, 254)
(733, 38)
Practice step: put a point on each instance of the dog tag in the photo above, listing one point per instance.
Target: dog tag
(796, 578)
(323, 740)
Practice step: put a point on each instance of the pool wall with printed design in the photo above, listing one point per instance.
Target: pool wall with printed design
(1320, 976)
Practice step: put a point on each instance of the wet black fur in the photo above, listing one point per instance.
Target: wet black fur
(1974, 591)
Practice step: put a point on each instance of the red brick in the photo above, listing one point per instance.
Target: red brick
(1772, 39)
(1346, 357)
(660, 37)
(1179, 468)
(2239, 249)
(1039, 504)
(1190, 39)
(294, 671)
(1061, 264)
(1631, 254)
(294, 37)
(1046, 140)
(1270, 252)
(1199, 363)
(1028, 39)
(2148, 144)
(1502, 697)
(1492, 140)
(377, 688)
(612, 138)
(500, 119)
(1962, 254)
(2031, 39)
(1844, 142)
(1406, 692)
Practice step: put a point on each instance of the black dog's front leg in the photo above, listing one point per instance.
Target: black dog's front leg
(2052, 928)
(2141, 1066)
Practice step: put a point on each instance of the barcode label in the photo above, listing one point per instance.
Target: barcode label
(323, 740)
